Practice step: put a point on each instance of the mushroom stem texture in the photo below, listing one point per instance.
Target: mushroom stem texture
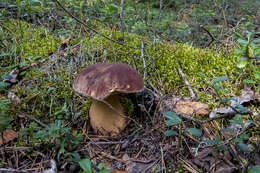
(105, 120)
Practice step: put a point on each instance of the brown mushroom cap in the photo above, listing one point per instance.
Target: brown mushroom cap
(100, 80)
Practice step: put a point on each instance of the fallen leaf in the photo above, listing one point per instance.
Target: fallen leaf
(13, 76)
(136, 167)
(8, 135)
(247, 96)
(190, 108)
(14, 98)
(212, 163)
(64, 43)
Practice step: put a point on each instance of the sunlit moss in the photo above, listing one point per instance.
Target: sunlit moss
(31, 40)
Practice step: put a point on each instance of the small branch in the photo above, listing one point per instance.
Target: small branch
(34, 119)
(142, 56)
(192, 94)
(13, 170)
(105, 143)
(210, 34)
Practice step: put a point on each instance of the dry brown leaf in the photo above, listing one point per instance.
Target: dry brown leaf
(190, 108)
(8, 135)
(14, 75)
(14, 98)
(136, 167)
(218, 164)
(65, 43)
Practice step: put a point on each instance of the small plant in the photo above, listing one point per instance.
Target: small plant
(54, 136)
(175, 120)
(249, 55)
(5, 117)
(88, 167)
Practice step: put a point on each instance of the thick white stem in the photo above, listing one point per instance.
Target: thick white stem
(104, 120)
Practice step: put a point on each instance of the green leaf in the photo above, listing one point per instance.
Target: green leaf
(101, 165)
(241, 108)
(242, 62)
(256, 41)
(105, 171)
(170, 133)
(242, 42)
(236, 122)
(243, 147)
(227, 130)
(248, 81)
(5, 54)
(4, 84)
(85, 164)
(223, 148)
(221, 79)
(254, 169)
(7, 77)
(194, 131)
(173, 119)
(211, 142)
(239, 52)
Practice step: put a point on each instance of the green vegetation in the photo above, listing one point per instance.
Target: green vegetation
(219, 55)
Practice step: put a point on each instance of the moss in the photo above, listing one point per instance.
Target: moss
(49, 88)
(161, 63)
(30, 41)
(127, 105)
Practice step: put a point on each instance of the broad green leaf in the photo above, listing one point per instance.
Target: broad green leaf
(241, 108)
(105, 171)
(242, 62)
(242, 42)
(5, 54)
(173, 122)
(248, 81)
(243, 147)
(173, 118)
(194, 131)
(227, 130)
(254, 169)
(217, 86)
(211, 142)
(244, 136)
(239, 52)
(101, 165)
(223, 148)
(170, 133)
(7, 76)
(256, 41)
(3, 85)
(221, 79)
(85, 164)
(236, 121)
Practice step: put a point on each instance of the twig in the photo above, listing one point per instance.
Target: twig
(13, 170)
(90, 28)
(122, 17)
(142, 56)
(106, 143)
(34, 119)
(211, 36)
(192, 94)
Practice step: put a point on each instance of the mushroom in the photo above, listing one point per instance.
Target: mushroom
(102, 82)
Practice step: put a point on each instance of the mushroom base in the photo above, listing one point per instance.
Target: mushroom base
(104, 120)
